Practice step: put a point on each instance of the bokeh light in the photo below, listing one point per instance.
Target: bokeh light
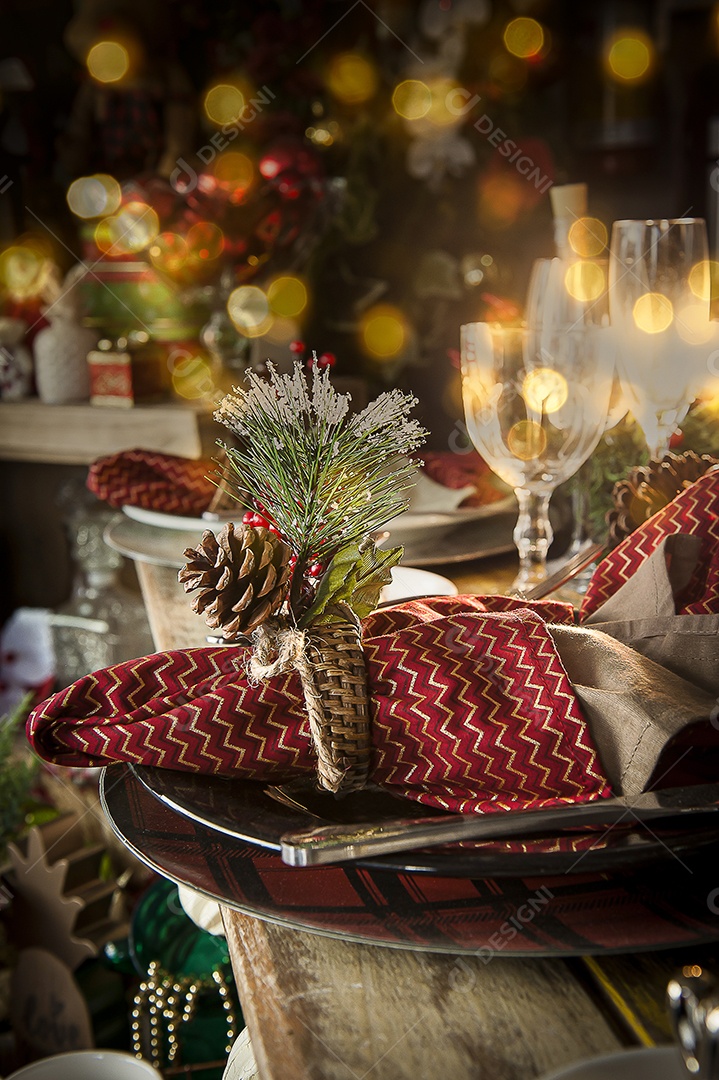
(412, 99)
(704, 279)
(351, 78)
(526, 440)
(475, 268)
(324, 133)
(629, 55)
(653, 312)
(585, 280)
(545, 390)
(224, 103)
(235, 173)
(131, 229)
(287, 296)
(383, 331)
(442, 111)
(138, 225)
(168, 252)
(24, 270)
(94, 196)
(588, 237)
(524, 37)
(108, 61)
(205, 241)
(193, 378)
(249, 309)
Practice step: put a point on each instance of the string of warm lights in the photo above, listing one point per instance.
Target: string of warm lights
(124, 223)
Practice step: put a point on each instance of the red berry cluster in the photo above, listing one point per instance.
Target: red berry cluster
(326, 360)
(258, 519)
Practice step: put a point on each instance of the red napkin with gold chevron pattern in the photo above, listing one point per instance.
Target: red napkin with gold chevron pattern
(695, 511)
(477, 704)
(163, 482)
(472, 710)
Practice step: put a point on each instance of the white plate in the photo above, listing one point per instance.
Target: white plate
(657, 1063)
(410, 523)
(176, 521)
(164, 546)
(88, 1065)
(408, 582)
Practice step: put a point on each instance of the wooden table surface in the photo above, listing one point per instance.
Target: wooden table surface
(324, 1009)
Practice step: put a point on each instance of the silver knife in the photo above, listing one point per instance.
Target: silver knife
(317, 846)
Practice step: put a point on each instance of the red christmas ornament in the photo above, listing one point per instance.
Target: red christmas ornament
(289, 155)
(327, 360)
(276, 161)
(290, 185)
(297, 348)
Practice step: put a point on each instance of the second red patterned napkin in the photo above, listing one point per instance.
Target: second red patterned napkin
(695, 511)
(163, 482)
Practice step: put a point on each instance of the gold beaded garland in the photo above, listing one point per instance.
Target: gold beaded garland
(158, 998)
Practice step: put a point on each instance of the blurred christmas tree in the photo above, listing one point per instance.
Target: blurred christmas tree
(351, 180)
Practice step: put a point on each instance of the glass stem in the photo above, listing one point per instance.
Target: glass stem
(532, 535)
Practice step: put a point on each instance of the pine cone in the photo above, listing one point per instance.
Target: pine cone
(647, 488)
(242, 576)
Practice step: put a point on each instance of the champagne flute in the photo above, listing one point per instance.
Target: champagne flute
(535, 408)
(659, 293)
(572, 294)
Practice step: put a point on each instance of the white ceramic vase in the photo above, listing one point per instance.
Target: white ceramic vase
(61, 371)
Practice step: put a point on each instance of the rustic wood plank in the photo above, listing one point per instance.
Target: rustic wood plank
(78, 434)
(173, 623)
(335, 1010)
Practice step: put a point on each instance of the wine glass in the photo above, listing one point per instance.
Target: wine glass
(535, 406)
(573, 294)
(659, 293)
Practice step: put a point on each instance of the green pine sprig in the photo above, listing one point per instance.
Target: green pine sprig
(326, 478)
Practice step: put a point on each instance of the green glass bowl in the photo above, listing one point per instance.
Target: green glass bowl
(162, 931)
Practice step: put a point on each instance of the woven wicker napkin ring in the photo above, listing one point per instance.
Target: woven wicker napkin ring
(334, 681)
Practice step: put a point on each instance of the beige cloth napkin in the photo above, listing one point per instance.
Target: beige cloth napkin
(644, 674)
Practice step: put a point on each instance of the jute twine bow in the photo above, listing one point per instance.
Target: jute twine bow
(278, 649)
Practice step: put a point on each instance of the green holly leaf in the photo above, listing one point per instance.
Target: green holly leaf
(373, 574)
(354, 577)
